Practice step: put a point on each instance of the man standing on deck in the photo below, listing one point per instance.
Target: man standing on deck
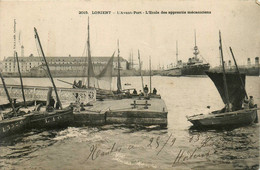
(146, 91)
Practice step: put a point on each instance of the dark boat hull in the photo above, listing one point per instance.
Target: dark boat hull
(195, 69)
(229, 119)
(57, 118)
(13, 125)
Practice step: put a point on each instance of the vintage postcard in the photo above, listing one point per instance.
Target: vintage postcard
(126, 84)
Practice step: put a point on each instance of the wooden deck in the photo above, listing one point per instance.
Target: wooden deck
(125, 111)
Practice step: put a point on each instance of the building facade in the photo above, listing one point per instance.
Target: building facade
(32, 63)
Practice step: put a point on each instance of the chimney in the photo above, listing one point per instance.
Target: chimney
(257, 61)
(248, 62)
(22, 51)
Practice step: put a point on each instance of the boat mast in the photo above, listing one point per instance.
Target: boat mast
(141, 70)
(150, 75)
(7, 94)
(21, 80)
(177, 53)
(243, 85)
(224, 73)
(119, 87)
(48, 69)
(196, 50)
(132, 59)
(89, 54)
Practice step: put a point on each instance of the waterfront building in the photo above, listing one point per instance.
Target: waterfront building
(76, 64)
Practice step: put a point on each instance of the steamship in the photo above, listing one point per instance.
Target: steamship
(194, 66)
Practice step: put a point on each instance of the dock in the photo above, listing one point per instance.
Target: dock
(124, 111)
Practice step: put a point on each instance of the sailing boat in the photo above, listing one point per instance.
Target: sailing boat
(231, 87)
(14, 120)
(11, 122)
(93, 80)
(44, 117)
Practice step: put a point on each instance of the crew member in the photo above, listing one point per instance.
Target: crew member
(50, 105)
(1, 116)
(79, 85)
(134, 92)
(57, 105)
(74, 84)
(146, 90)
(230, 108)
(154, 91)
(246, 104)
(82, 107)
(127, 93)
(141, 93)
(52, 102)
(251, 102)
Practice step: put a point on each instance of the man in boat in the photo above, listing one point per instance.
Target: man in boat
(82, 107)
(146, 91)
(246, 104)
(1, 116)
(127, 93)
(140, 94)
(74, 84)
(79, 84)
(134, 92)
(57, 105)
(251, 102)
(226, 108)
(50, 105)
(154, 91)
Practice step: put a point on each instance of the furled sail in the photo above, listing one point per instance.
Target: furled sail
(236, 91)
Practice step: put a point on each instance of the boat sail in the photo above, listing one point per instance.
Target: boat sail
(93, 80)
(231, 87)
(236, 93)
(119, 87)
(105, 76)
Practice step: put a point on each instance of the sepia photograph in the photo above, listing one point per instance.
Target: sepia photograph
(120, 84)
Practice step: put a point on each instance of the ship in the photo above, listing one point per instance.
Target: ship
(194, 66)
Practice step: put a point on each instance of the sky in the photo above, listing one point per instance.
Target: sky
(63, 31)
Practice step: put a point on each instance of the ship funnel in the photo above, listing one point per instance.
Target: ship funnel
(248, 62)
(257, 61)
(22, 51)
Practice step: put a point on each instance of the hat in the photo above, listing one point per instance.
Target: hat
(251, 96)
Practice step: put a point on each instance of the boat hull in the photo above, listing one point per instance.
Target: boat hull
(229, 119)
(13, 125)
(57, 118)
(195, 69)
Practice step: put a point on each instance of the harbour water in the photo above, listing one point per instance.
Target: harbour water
(121, 147)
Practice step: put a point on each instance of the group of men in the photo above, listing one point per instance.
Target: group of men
(249, 103)
(78, 85)
(146, 90)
